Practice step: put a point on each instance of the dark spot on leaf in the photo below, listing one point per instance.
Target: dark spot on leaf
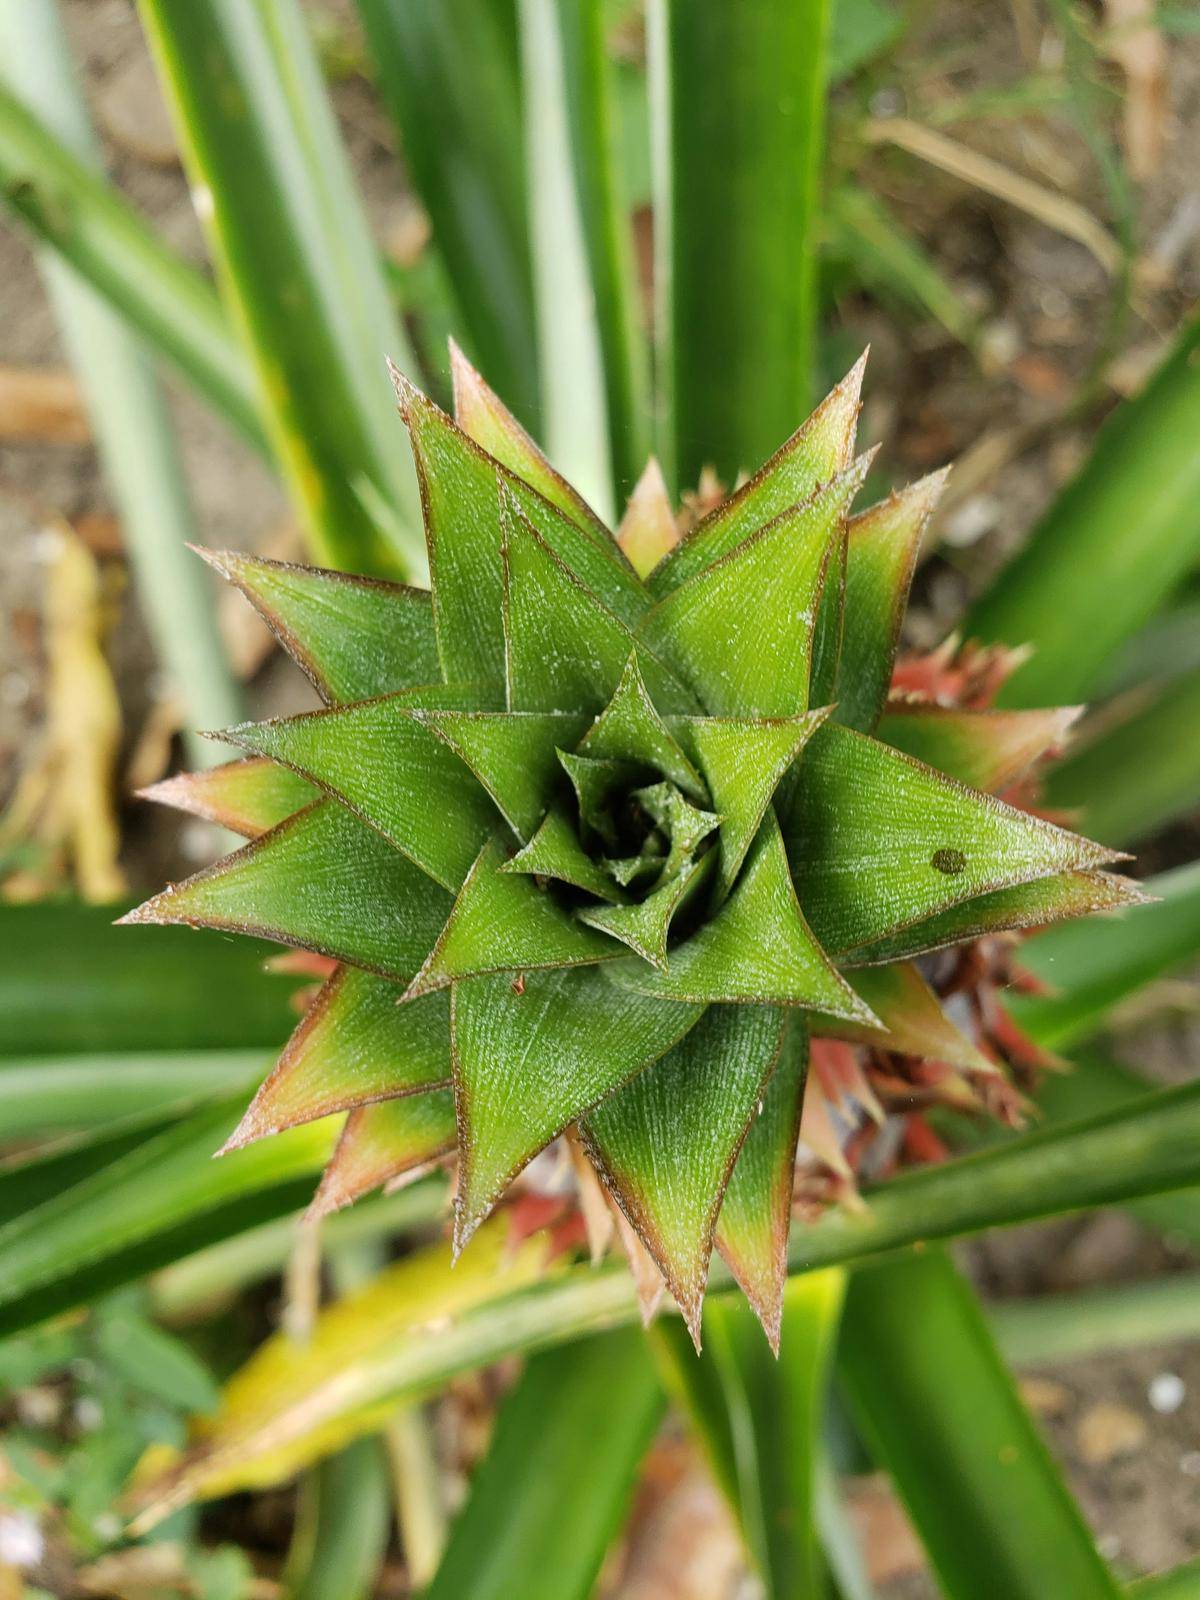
(951, 862)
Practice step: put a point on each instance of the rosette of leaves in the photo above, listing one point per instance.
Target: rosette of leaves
(597, 833)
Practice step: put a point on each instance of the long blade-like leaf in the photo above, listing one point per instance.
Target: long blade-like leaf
(574, 414)
(1147, 1146)
(1139, 774)
(552, 1490)
(150, 1205)
(72, 982)
(297, 267)
(1114, 544)
(738, 99)
(448, 73)
(592, 108)
(74, 212)
(133, 428)
(932, 1396)
(759, 1419)
(1089, 966)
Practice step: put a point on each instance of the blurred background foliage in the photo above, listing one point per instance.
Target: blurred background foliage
(661, 228)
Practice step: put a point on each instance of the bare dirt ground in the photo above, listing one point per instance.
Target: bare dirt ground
(1003, 409)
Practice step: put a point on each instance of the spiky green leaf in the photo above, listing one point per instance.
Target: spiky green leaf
(384, 1142)
(566, 651)
(531, 1059)
(248, 797)
(758, 948)
(880, 843)
(393, 771)
(630, 729)
(743, 762)
(353, 637)
(666, 1143)
(740, 631)
(514, 755)
(818, 450)
(881, 555)
(752, 1229)
(354, 1044)
(502, 922)
(1025, 906)
(323, 881)
(986, 749)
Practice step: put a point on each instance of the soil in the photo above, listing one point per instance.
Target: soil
(1043, 301)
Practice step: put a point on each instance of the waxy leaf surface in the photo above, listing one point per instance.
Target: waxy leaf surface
(740, 632)
(383, 1142)
(818, 450)
(987, 749)
(354, 1044)
(566, 650)
(743, 762)
(1026, 905)
(484, 417)
(882, 547)
(323, 881)
(248, 797)
(630, 729)
(752, 1229)
(391, 770)
(502, 922)
(879, 842)
(513, 754)
(757, 948)
(528, 1063)
(665, 1144)
(555, 852)
(353, 637)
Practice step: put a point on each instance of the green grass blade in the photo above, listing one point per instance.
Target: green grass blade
(859, 30)
(147, 1207)
(554, 1486)
(220, 1271)
(343, 1515)
(1099, 1084)
(738, 104)
(1139, 774)
(448, 74)
(934, 1400)
(1112, 546)
(72, 983)
(1180, 1583)
(1097, 1321)
(1091, 965)
(593, 108)
(759, 1419)
(574, 413)
(50, 1094)
(1144, 1148)
(891, 262)
(1148, 1146)
(72, 210)
(297, 268)
(128, 413)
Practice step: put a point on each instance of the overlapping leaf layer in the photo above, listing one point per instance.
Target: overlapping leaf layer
(598, 847)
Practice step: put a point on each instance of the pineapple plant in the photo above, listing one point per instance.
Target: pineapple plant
(608, 837)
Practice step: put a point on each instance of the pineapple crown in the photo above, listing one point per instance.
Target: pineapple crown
(598, 832)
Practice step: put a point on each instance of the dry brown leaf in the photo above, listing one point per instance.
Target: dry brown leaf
(42, 403)
(1107, 1431)
(1137, 47)
(63, 803)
